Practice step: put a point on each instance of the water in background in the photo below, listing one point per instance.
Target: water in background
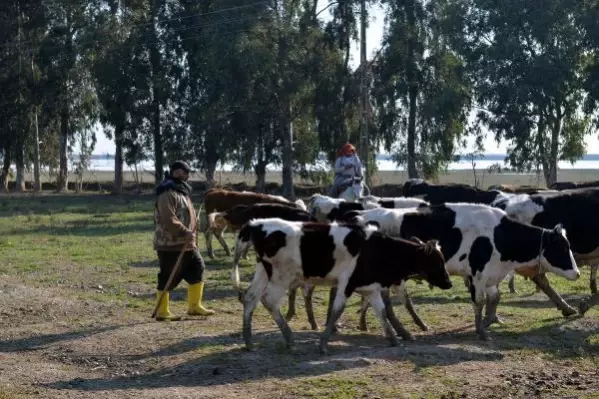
(590, 161)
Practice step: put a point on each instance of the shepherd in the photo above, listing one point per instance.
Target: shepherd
(348, 172)
(175, 231)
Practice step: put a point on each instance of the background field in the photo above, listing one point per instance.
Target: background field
(77, 279)
(381, 177)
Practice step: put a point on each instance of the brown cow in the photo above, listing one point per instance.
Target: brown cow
(220, 200)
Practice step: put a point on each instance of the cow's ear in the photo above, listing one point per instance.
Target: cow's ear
(416, 239)
(558, 228)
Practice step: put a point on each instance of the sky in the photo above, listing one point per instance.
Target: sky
(374, 35)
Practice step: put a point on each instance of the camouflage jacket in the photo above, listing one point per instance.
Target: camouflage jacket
(174, 216)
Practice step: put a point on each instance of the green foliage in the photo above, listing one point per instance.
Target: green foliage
(226, 81)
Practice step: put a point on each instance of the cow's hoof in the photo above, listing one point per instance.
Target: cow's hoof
(583, 306)
(407, 337)
(494, 320)
(289, 316)
(569, 311)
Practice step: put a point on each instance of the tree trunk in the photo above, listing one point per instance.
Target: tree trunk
(260, 170)
(62, 180)
(210, 172)
(555, 132)
(37, 185)
(412, 170)
(118, 160)
(20, 166)
(155, 60)
(286, 127)
(413, 90)
(4, 175)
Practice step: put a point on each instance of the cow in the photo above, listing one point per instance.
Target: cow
(577, 211)
(234, 219)
(569, 185)
(330, 209)
(451, 193)
(480, 243)
(393, 202)
(219, 200)
(350, 257)
(508, 188)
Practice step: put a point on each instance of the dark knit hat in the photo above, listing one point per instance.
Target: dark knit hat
(180, 165)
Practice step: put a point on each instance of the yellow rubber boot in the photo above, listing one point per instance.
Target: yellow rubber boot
(194, 301)
(164, 313)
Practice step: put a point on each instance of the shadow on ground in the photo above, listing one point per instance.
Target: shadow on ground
(228, 361)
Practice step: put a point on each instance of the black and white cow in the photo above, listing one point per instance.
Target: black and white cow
(451, 193)
(350, 257)
(327, 209)
(578, 211)
(481, 243)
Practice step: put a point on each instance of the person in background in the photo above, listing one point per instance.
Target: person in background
(347, 166)
(175, 221)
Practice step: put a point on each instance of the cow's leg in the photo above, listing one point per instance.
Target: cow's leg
(594, 278)
(246, 253)
(308, 291)
(291, 302)
(219, 236)
(588, 303)
(467, 283)
(407, 301)
(378, 304)
(477, 294)
(510, 283)
(541, 281)
(332, 296)
(364, 304)
(208, 237)
(250, 300)
(493, 296)
(271, 301)
(338, 305)
(390, 314)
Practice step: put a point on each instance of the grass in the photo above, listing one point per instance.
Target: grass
(77, 283)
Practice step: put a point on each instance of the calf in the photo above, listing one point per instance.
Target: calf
(482, 244)
(577, 211)
(352, 258)
(219, 200)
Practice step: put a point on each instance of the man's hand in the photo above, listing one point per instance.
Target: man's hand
(189, 236)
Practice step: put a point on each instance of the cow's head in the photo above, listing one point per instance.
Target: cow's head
(556, 255)
(432, 266)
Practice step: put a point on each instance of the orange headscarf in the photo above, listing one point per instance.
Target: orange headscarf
(347, 149)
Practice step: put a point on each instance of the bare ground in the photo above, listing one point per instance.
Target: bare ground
(77, 291)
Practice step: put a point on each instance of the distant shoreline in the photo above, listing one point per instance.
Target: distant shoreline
(387, 157)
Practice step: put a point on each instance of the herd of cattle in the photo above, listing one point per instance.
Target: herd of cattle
(376, 244)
